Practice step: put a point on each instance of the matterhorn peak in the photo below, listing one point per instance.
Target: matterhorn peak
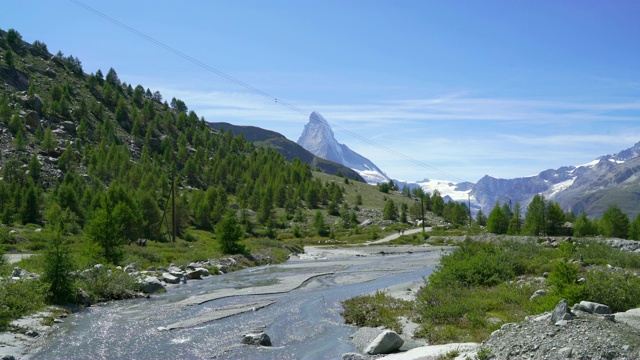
(315, 117)
(318, 138)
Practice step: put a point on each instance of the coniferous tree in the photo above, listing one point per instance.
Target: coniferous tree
(481, 218)
(319, 224)
(48, 142)
(228, 232)
(390, 211)
(515, 224)
(5, 109)
(9, 59)
(58, 266)
(555, 219)
(106, 228)
(583, 226)
(14, 38)
(34, 169)
(403, 213)
(614, 223)
(535, 218)
(30, 206)
(332, 208)
(437, 203)
(634, 229)
(112, 77)
(497, 221)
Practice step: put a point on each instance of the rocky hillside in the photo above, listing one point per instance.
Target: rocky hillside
(586, 331)
(67, 137)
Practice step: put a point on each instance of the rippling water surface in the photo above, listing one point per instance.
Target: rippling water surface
(304, 323)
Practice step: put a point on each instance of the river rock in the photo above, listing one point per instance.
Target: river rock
(222, 268)
(261, 339)
(193, 274)
(386, 343)
(170, 279)
(203, 271)
(151, 284)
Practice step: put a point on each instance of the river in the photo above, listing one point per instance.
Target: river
(297, 303)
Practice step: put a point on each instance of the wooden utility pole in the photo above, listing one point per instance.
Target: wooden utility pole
(173, 204)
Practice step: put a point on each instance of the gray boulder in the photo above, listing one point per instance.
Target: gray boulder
(150, 285)
(32, 119)
(386, 343)
(68, 126)
(261, 339)
(540, 292)
(82, 298)
(170, 279)
(193, 274)
(594, 308)
(17, 272)
(561, 312)
(203, 271)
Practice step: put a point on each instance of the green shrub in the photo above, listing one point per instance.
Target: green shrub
(618, 289)
(375, 310)
(19, 298)
(474, 264)
(107, 283)
(563, 275)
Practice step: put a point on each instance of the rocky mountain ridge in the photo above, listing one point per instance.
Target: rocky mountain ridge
(591, 187)
(318, 138)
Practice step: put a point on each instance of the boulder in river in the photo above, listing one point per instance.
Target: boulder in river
(151, 284)
(260, 338)
(194, 274)
(170, 279)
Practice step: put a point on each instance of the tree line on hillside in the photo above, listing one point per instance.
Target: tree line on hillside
(544, 217)
(103, 156)
(541, 218)
(456, 213)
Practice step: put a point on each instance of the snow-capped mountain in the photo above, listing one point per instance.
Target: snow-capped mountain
(317, 137)
(592, 187)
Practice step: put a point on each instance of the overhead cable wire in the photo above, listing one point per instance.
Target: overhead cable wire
(264, 94)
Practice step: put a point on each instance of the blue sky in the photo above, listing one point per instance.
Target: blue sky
(460, 89)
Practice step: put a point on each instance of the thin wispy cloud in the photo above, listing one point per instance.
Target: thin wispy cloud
(463, 130)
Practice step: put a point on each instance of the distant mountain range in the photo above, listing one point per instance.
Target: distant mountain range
(592, 187)
(317, 137)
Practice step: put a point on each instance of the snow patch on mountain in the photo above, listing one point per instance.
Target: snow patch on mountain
(445, 188)
(556, 188)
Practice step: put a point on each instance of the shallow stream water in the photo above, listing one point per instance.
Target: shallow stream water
(303, 319)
